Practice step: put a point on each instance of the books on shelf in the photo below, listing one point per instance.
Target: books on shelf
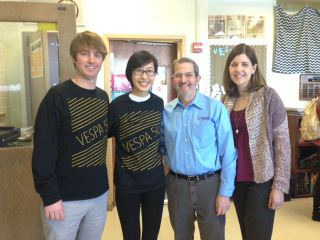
(309, 162)
(305, 182)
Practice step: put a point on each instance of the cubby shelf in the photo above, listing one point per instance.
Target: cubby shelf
(303, 177)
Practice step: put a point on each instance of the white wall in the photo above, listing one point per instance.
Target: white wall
(163, 17)
(287, 85)
(167, 17)
(177, 17)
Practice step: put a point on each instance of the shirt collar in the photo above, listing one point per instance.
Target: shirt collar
(197, 101)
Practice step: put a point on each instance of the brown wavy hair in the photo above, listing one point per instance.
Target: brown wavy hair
(256, 81)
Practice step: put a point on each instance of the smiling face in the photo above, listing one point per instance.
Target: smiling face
(186, 82)
(88, 63)
(143, 83)
(241, 70)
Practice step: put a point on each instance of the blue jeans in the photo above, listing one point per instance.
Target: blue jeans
(194, 201)
(84, 219)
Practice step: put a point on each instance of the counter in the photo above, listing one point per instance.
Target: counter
(19, 203)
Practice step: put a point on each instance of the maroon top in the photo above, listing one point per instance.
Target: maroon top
(241, 141)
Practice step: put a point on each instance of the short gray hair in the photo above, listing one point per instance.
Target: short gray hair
(186, 60)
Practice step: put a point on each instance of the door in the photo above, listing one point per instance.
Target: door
(165, 53)
(118, 45)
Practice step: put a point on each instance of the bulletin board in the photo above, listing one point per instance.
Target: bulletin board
(218, 58)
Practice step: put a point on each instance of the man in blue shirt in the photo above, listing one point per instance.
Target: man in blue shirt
(196, 137)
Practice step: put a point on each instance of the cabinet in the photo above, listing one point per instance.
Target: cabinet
(304, 159)
(19, 202)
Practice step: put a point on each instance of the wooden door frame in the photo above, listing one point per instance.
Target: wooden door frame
(180, 40)
(62, 14)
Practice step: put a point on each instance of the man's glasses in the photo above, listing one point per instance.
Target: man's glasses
(140, 71)
(186, 75)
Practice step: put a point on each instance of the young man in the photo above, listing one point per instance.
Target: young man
(198, 142)
(70, 142)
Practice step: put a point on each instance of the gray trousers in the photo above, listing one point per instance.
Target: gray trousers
(194, 201)
(83, 220)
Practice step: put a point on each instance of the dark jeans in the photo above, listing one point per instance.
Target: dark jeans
(255, 217)
(316, 193)
(128, 206)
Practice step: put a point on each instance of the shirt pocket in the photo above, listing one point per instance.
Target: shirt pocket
(203, 134)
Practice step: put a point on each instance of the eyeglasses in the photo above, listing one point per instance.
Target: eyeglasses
(140, 71)
(186, 75)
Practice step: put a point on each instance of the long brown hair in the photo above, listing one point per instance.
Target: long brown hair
(256, 81)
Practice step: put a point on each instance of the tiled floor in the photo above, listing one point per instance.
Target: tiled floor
(293, 222)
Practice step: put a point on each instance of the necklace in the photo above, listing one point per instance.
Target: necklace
(237, 120)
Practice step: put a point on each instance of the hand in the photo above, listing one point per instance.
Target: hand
(54, 211)
(276, 199)
(222, 205)
(166, 169)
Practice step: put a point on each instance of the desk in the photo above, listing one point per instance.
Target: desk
(19, 203)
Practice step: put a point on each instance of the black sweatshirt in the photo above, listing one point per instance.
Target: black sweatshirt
(136, 127)
(70, 142)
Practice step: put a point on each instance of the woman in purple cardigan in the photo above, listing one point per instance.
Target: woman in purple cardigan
(261, 135)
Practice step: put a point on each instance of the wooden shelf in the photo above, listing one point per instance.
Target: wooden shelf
(303, 195)
(299, 151)
(303, 170)
(306, 144)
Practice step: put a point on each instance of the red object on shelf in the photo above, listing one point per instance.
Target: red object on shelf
(197, 47)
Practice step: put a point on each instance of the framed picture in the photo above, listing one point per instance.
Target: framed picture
(255, 26)
(235, 26)
(216, 26)
(79, 8)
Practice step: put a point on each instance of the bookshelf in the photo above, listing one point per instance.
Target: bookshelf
(304, 158)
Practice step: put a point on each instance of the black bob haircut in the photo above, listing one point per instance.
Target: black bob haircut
(139, 59)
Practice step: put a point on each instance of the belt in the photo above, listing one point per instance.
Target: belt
(194, 178)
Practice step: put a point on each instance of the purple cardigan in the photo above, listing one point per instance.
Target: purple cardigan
(269, 141)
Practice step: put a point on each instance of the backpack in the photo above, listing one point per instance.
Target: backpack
(310, 124)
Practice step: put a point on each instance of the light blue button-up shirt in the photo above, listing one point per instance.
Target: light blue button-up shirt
(199, 139)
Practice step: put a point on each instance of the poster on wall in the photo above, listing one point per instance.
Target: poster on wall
(235, 26)
(216, 27)
(255, 26)
(119, 82)
(36, 59)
